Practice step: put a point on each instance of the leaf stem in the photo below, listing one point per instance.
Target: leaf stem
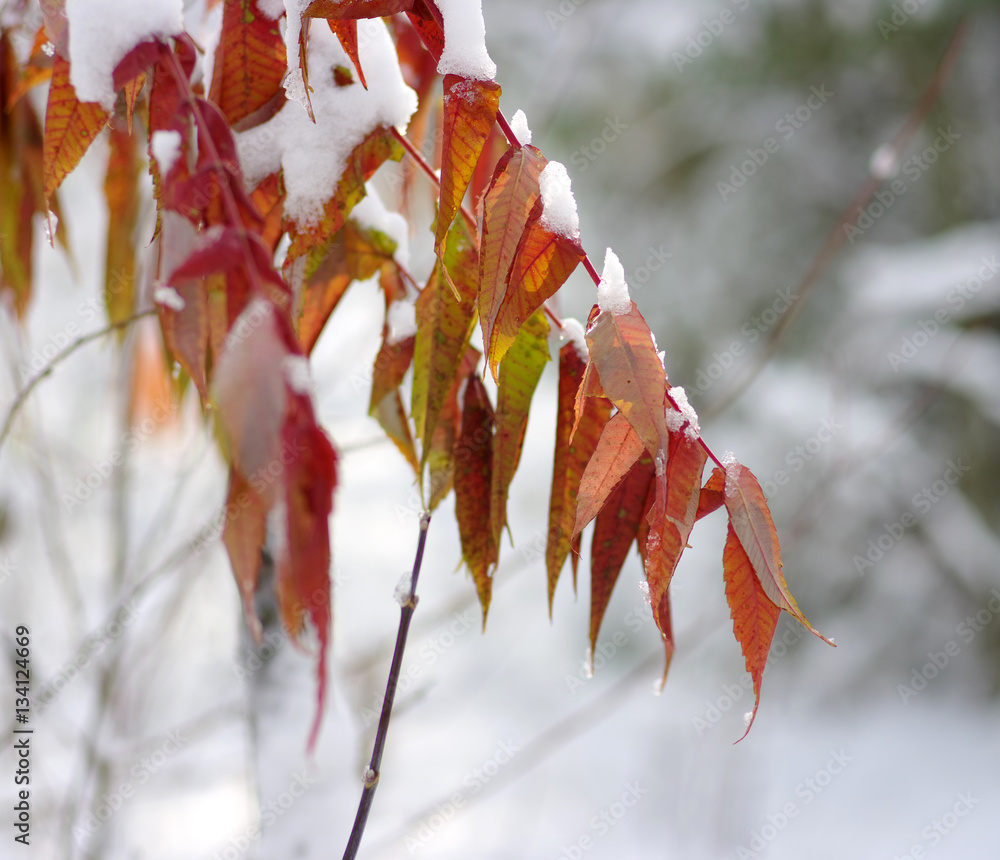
(23, 394)
(372, 771)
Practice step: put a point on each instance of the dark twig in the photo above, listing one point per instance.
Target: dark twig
(372, 771)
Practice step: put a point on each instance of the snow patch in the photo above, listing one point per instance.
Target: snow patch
(166, 146)
(297, 373)
(612, 291)
(402, 320)
(102, 32)
(572, 331)
(559, 213)
(311, 155)
(733, 470)
(465, 51)
(693, 429)
(295, 85)
(402, 593)
(519, 125)
(884, 162)
(169, 298)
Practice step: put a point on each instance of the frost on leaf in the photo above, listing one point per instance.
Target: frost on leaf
(612, 291)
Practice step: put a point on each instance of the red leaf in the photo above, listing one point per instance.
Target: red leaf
(243, 535)
(542, 263)
(755, 616)
(570, 459)
(614, 531)
(341, 9)
(346, 31)
(506, 207)
(713, 495)
(249, 61)
(385, 405)
(622, 352)
(470, 111)
(70, 127)
(751, 520)
(473, 456)
(616, 453)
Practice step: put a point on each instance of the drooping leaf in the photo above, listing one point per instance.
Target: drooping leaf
(346, 31)
(121, 190)
(569, 461)
(622, 352)
(70, 127)
(506, 206)
(473, 457)
(385, 405)
(303, 569)
(439, 453)
(470, 110)
(754, 614)
(36, 70)
(428, 28)
(542, 263)
(751, 520)
(614, 532)
(243, 535)
(519, 375)
(671, 519)
(186, 331)
(444, 325)
(618, 448)
(249, 61)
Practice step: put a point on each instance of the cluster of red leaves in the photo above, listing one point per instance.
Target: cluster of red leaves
(622, 458)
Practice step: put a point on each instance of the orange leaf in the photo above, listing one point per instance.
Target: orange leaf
(570, 459)
(249, 61)
(473, 456)
(614, 531)
(506, 206)
(713, 494)
(70, 127)
(519, 375)
(542, 263)
(751, 520)
(755, 616)
(121, 190)
(622, 352)
(671, 519)
(470, 110)
(346, 31)
(385, 405)
(616, 453)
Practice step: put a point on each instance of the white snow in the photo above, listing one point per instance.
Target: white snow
(402, 593)
(166, 146)
(295, 86)
(612, 291)
(313, 155)
(465, 51)
(747, 717)
(102, 32)
(169, 298)
(674, 419)
(272, 9)
(297, 374)
(372, 214)
(644, 588)
(733, 469)
(402, 320)
(519, 125)
(884, 161)
(679, 395)
(559, 213)
(572, 331)
(588, 663)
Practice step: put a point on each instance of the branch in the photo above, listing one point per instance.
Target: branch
(23, 394)
(837, 235)
(372, 771)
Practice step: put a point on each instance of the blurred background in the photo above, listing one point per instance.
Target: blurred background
(715, 147)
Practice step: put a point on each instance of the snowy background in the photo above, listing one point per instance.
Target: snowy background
(880, 461)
